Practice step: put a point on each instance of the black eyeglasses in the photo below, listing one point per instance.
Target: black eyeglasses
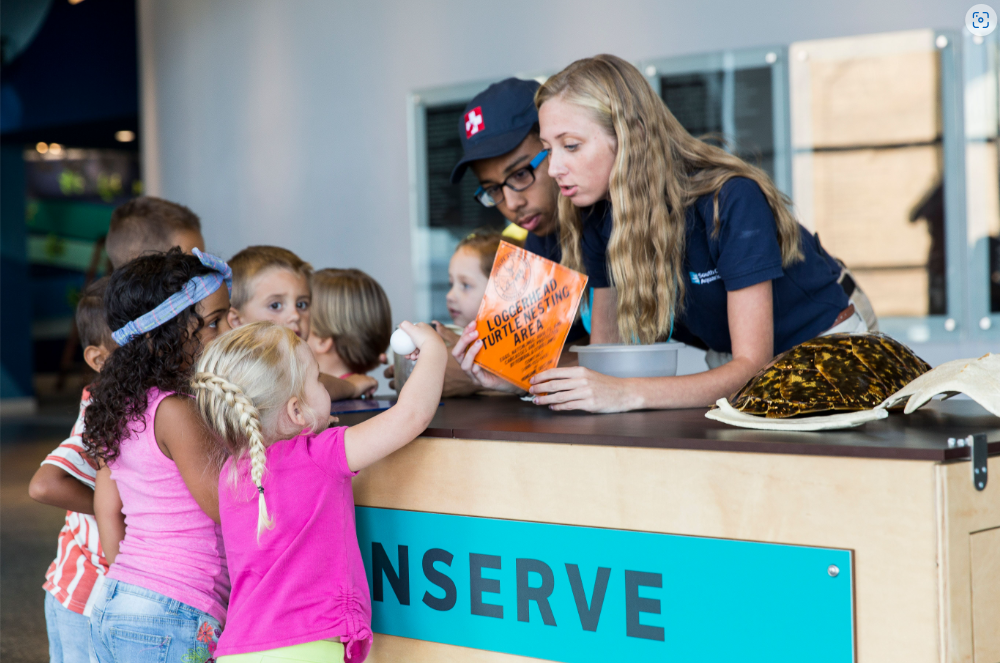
(492, 195)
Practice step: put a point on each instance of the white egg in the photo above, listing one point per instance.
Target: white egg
(401, 342)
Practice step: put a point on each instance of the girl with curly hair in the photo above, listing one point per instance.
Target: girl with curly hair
(167, 589)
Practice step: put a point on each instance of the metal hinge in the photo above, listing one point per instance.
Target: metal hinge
(979, 455)
(978, 450)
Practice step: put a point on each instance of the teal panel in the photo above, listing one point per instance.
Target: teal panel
(61, 252)
(529, 589)
(69, 218)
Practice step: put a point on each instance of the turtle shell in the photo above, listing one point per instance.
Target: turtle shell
(835, 372)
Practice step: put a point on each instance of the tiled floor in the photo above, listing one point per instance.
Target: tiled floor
(28, 531)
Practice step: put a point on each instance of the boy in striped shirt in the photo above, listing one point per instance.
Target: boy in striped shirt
(66, 480)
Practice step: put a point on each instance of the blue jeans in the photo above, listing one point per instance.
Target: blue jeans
(69, 633)
(130, 624)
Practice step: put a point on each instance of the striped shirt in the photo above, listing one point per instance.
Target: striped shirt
(79, 567)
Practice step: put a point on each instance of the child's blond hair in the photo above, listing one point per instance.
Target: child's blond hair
(484, 243)
(253, 260)
(351, 308)
(243, 381)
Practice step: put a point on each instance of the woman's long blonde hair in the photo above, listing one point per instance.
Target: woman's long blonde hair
(243, 381)
(660, 170)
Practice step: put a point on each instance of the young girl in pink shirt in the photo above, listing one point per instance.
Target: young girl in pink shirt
(156, 498)
(299, 591)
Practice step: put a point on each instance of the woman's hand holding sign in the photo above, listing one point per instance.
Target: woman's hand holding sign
(465, 351)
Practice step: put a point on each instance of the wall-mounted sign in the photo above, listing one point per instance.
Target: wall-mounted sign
(588, 594)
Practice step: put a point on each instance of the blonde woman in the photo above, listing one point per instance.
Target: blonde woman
(299, 591)
(680, 239)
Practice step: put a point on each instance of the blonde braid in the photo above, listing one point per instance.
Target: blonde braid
(247, 422)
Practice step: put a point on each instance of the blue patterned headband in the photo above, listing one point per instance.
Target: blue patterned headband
(195, 290)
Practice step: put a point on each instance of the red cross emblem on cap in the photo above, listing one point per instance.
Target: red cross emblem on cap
(474, 122)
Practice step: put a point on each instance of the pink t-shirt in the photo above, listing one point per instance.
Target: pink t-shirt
(170, 545)
(304, 580)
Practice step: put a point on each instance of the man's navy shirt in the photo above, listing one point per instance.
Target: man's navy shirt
(548, 247)
(807, 298)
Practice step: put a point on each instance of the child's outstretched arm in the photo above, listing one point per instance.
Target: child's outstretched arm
(351, 387)
(185, 439)
(378, 437)
(57, 487)
(108, 512)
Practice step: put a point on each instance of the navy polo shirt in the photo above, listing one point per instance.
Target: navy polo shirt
(548, 247)
(807, 297)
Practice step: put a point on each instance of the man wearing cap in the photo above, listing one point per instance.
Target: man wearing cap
(499, 132)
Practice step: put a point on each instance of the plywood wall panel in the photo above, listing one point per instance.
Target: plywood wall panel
(970, 591)
(882, 510)
(895, 292)
(982, 182)
(862, 202)
(883, 100)
(985, 550)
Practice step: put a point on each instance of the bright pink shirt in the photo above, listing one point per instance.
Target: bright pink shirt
(304, 580)
(170, 545)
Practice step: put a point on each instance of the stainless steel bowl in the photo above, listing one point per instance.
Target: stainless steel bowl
(630, 361)
(402, 367)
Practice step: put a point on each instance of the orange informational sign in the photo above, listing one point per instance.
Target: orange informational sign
(529, 306)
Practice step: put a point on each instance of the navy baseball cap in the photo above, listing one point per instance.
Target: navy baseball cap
(496, 121)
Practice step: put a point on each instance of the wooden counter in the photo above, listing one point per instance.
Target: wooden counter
(924, 544)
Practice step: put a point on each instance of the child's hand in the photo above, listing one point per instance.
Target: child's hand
(450, 337)
(363, 385)
(424, 337)
(379, 436)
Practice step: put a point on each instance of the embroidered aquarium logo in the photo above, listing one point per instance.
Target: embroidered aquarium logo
(703, 278)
